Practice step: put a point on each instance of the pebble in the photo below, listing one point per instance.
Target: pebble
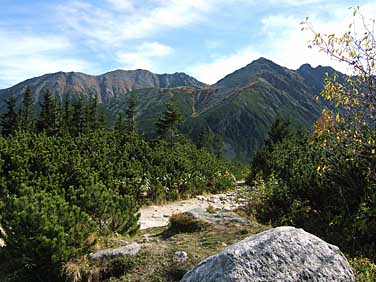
(181, 257)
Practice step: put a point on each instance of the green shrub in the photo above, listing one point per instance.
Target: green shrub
(332, 196)
(184, 223)
(364, 269)
(42, 231)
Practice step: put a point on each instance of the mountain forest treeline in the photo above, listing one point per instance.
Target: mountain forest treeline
(66, 179)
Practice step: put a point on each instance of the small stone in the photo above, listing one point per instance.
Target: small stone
(181, 257)
(201, 198)
(166, 215)
(129, 250)
(145, 238)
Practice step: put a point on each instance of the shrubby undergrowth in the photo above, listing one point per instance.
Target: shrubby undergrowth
(296, 187)
(325, 180)
(63, 184)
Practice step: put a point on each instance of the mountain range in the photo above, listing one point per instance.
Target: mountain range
(240, 107)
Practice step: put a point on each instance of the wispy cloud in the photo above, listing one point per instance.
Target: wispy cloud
(123, 5)
(284, 42)
(206, 38)
(123, 20)
(220, 66)
(26, 55)
(144, 55)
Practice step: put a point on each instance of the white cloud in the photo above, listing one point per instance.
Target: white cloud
(144, 56)
(27, 55)
(290, 44)
(221, 66)
(125, 5)
(113, 26)
(14, 44)
(284, 43)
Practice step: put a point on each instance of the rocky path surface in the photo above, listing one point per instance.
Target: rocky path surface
(157, 216)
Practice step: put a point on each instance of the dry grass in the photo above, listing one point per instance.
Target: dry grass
(72, 271)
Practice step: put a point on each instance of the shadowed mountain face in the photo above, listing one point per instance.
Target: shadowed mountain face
(240, 107)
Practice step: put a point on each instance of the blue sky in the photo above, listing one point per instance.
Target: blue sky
(204, 38)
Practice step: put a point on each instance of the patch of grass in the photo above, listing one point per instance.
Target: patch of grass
(155, 262)
(184, 223)
(210, 209)
(364, 269)
(97, 271)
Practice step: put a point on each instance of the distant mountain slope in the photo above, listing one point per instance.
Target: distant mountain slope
(240, 107)
(105, 87)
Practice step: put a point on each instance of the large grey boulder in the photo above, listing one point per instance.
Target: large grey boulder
(283, 254)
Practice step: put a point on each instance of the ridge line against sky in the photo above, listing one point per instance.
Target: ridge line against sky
(207, 39)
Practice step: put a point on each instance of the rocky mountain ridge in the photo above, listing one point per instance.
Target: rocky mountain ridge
(240, 108)
(105, 87)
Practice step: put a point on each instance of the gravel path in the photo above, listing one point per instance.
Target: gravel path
(157, 216)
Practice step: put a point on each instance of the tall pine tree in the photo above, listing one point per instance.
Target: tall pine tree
(67, 119)
(120, 123)
(131, 114)
(167, 125)
(27, 111)
(47, 116)
(78, 116)
(9, 120)
(217, 145)
(92, 121)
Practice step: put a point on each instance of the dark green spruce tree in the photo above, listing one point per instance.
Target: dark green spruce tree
(120, 123)
(67, 119)
(92, 119)
(78, 116)
(9, 120)
(47, 116)
(205, 139)
(167, 125)
(131, 114)
(27, 111)
(217, 145)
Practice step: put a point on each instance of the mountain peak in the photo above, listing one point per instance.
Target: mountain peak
(243, 76)
(305, 67)
(263, 60)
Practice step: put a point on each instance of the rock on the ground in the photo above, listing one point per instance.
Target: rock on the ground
(283, 254)
(2, 233)
(181, 257)
(218, 217)
(129, 250)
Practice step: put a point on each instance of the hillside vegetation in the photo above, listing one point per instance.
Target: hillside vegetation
(324, 180)
(64, 184)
